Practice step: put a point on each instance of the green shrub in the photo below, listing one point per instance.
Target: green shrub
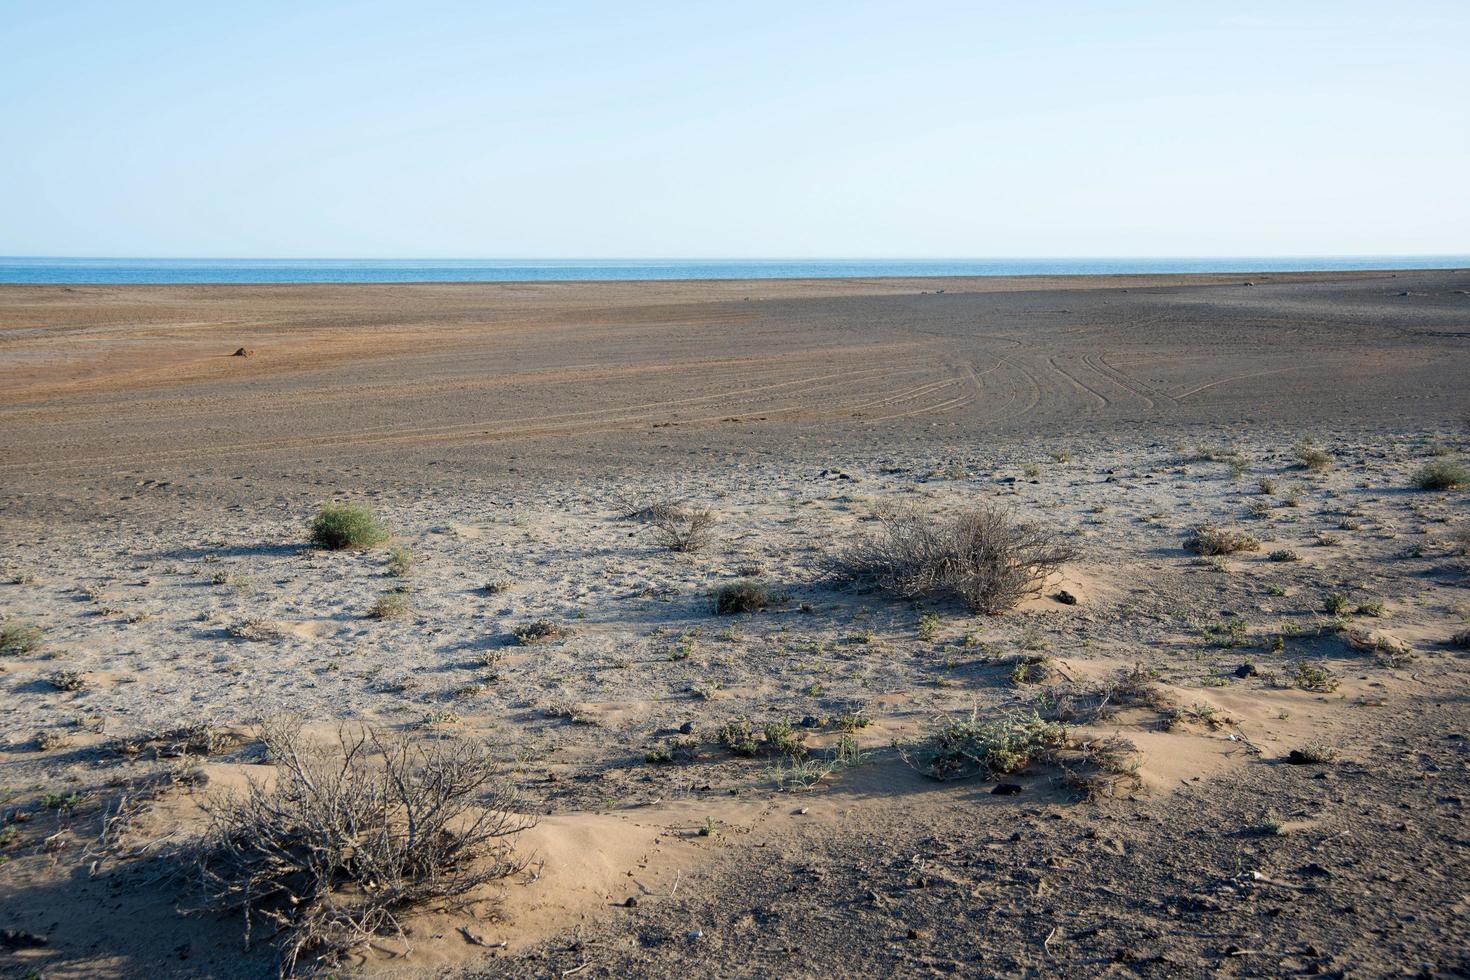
(17, 637)
(997, 747)
(339, 526)
(390, 605)
(1442, 474)
(1312, 458)
(400, 561)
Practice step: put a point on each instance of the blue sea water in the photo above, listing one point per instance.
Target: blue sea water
(204, 271)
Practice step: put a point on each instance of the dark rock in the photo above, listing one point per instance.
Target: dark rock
(1006, 789)
(20, 939)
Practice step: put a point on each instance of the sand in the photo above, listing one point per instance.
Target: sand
(154, 491)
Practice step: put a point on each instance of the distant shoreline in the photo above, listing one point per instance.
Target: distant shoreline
(226, 272)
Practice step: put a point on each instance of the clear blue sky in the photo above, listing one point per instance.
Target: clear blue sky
(547, 129)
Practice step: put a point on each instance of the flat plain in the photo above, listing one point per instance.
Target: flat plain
(1260, 765)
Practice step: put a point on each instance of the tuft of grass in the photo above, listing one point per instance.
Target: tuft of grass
(17, 636)
(984, 557)
(390, 605)
(1210, 539)
(1461, 640)
(742, 597)
(1267, 486)
(400, 560)
(1284, 554)
(1442, 474)
(341, 526)
(1311, 457)
(1337, 604)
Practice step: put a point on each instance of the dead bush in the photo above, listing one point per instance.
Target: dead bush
(1209, 539)
(985, 557)
(354, 833)
(742, 597)
(674, 526)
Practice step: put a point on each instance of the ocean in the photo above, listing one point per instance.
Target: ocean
(207, 271)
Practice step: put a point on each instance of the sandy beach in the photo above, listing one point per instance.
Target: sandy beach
(156, 488)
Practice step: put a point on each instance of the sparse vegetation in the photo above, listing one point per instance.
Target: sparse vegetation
(984, 557)
(676, 527)
(741, 597)
(1210, 539)
(67, 680)
(400, 560)
(1442, 474)
(342, 526)
(1284, 554)
(353, 834)
(1314, 677)
(391, 605)
(540, 631)
(19, 637)
(1315, 752)
(969, 746)
(1310, 457)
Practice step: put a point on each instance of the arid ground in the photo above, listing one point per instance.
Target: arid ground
(1263, 763)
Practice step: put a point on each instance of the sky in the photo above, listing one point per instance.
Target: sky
(688, 129)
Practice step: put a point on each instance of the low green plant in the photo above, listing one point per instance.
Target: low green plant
(400, 560)
(1314, 677)
(341, 526)
(390, 605)
(1442, 474)
(972, 745)
(17, 636)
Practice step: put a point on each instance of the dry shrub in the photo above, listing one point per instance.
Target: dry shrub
(675, 527)
(1210, 539)
(1103, 768)
(353, 834)
(742, 597)
(1131, 688)
(984, 557)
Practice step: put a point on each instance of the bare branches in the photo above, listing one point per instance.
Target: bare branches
(983, 556)
(354, 833)
(674, 526)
